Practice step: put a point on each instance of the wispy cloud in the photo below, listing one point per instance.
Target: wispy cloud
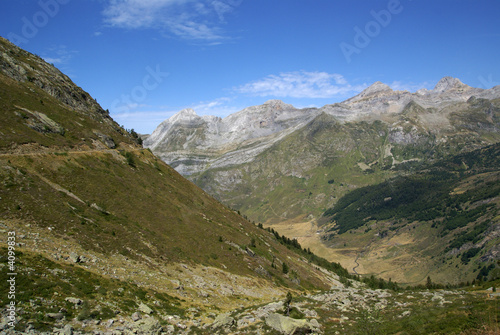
(220, 107)
(143, 121)
(301, 84)
(187, 19)
(398, 85)
(59, 55)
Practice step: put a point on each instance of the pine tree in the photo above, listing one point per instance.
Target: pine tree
(288, 301)
(285, 268)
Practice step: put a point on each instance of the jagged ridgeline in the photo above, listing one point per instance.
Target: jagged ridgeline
(102, 226)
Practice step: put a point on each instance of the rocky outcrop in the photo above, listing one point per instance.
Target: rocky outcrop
(287, 325)
(45, 76)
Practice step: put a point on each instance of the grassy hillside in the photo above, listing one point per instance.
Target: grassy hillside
(450, 210)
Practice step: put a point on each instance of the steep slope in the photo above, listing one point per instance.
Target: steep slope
(103, 226)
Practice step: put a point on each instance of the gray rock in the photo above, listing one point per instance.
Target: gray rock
(136, 316)
(145, 309)
(250, 252)
(55, 316)
(223, 320)
(108, 141)
(73, 300)
(170, 329)
(74, 257)
(315, 324)
(109, 323)
(67, 330)
(286, 325)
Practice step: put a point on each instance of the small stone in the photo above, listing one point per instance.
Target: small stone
(136, 316)
(74, 257)
(145, 309)
(67, 330)
(55, 316)
(75, 301)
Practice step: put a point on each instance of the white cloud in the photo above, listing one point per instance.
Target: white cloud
(398, 85)
(143, 122)
(219, 107)
(59, 55)
(188, 19)
(301, 84)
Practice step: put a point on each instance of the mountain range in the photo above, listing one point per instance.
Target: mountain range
(194, 144)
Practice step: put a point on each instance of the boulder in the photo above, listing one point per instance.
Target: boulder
(223, 320)
(148, 326)
(136, 316)
(286, 325)
(74, 257)
(73, 300)
(145, 309)
(67, 330)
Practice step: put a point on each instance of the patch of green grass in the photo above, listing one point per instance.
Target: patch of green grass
(42, 286)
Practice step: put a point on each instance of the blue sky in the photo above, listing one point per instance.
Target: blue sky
(145, 60)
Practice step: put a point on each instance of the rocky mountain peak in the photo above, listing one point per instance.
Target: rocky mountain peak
(277, 104)
(447, 84)
(185, 114)
(375, 88)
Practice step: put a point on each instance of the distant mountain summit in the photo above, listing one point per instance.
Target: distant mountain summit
(374, 89)
(450, 83)
(223, 155)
